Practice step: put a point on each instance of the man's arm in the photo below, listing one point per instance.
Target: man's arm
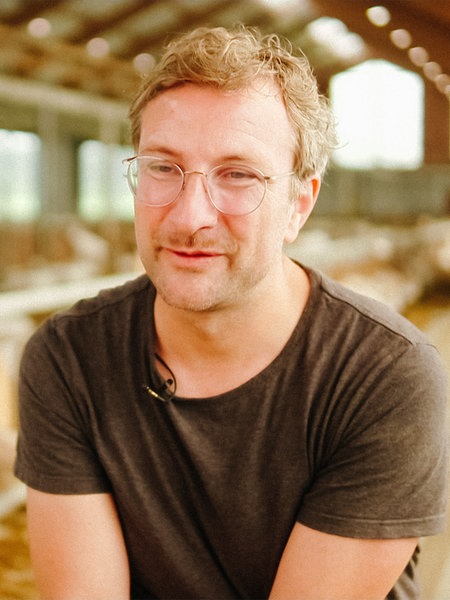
(317, 565)
(77, 548)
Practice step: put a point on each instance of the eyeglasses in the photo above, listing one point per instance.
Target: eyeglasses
(233, 189)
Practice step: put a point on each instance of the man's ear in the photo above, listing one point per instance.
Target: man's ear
(302, 207)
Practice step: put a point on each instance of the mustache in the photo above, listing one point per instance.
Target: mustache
(198, 240)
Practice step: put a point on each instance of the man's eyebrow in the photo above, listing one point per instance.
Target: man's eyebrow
(173, 154)
(149, 149)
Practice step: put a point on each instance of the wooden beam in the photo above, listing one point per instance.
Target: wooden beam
(29, 10)
(437, 127)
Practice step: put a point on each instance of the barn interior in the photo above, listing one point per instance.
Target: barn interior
(68, 71)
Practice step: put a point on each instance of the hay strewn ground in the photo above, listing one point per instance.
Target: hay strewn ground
(16, 577)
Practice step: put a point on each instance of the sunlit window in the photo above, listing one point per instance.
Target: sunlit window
(19, 175)
(379, 110)
(103, 190)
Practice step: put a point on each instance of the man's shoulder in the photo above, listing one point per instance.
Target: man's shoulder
(110, 308)
(108, 298)
(353, 307)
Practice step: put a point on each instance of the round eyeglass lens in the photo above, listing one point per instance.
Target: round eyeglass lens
(236, 189)
(155, 182)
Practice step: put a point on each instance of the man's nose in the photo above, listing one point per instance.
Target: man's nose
(193, 207)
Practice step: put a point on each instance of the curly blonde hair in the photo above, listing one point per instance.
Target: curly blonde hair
(229, 59)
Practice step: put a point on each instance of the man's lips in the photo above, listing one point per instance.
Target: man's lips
(192, 253)
(195, 253)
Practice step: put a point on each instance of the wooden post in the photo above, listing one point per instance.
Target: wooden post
(436, 126)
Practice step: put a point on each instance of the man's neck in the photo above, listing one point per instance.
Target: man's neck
(215, 351)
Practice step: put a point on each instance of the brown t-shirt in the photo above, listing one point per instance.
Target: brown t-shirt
(343, 431)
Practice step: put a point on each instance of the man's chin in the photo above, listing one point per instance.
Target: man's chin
(193, 296)
(189, 303)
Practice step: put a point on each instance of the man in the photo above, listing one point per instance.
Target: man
(232, 424)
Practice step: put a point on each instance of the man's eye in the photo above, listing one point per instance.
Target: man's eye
(161, 169)
(237, 176)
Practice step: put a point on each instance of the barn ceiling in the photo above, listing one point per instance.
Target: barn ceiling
(105, 46)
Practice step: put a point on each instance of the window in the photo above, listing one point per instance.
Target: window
(19, 175)
(103, 189)
(379, 111)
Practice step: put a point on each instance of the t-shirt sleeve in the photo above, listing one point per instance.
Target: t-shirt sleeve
(55, 452)
(384, 470)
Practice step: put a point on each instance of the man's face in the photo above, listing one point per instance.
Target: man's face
(198, 258)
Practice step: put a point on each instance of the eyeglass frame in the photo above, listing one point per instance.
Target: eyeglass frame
(266, 178)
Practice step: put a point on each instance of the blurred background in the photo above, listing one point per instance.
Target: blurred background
(68, 71)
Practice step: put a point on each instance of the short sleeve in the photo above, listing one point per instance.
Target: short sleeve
(386, 474)
(55, 453)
